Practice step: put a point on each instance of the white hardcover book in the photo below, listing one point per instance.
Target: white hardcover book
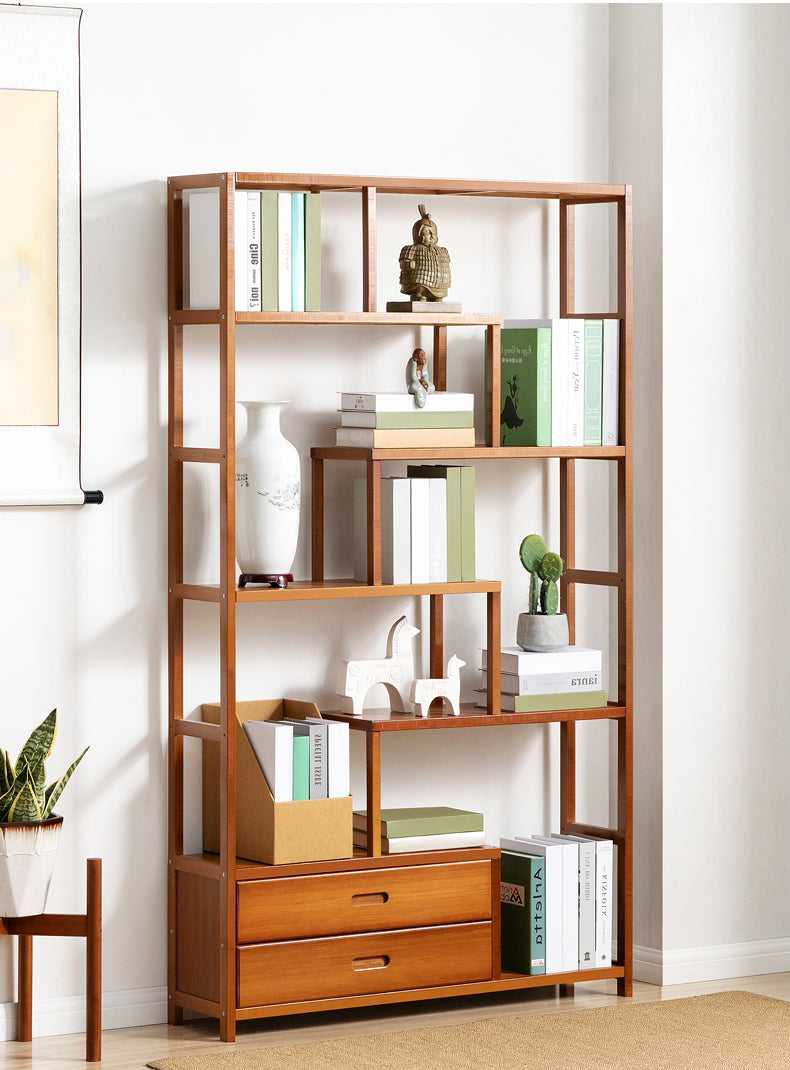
(570, 900)
(253, 251)
(338, 760)
(559, 382)
(201, 264)
(534, 662)
(604, 900)
(576, 382)
(316, 731)
(437, 529)
(297, 252)
(586, 898)
(360, 491)
(240, 250)
(395, 530)
(284, 252)
(552, 893)
(553, 683)
(420, 537)
(272, 742)
(610, 396)
(401, 401)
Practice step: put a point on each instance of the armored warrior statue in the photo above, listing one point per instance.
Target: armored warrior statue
(424, 265)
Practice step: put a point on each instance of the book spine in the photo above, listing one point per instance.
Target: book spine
(253, 252)
(468, 541)
(610, 392)
(339, 771)
(312, 252)
(575, 397)
(586, 905)
(529, 663)
(546, 683)
(559, 382)
(604, 877)
(284, 252)
(319, 785)
(566, 700)
(240, 251)
(297, 253)
(268, 250)
(395, 530)
(360, 492)
(522, 913)
(301, 767)
(420, 534)
(437, 530)
(593, 381)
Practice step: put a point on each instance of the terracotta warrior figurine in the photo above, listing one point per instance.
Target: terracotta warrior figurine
(424, 265)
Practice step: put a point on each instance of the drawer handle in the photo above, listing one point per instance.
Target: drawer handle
(369, 898)
(374, 962)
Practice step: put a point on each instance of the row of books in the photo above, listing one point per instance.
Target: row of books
(422, 828)
(560, 382)
(427, 525)
(393, 420)
(556, 903)
(533, 681)
(277, 242)
(302, 758)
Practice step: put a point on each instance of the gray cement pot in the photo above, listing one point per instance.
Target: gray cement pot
(542, 631)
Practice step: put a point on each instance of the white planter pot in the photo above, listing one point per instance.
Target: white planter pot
(268, 489)
(541, 631)
(27, 859)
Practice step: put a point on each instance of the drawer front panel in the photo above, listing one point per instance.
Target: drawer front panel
(370, 900)
(291, 971)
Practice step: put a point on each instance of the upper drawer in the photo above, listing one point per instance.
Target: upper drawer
(363, 901)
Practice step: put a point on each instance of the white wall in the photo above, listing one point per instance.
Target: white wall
(370, 89)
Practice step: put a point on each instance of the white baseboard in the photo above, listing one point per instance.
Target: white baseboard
(54, 1017)
(693, 964)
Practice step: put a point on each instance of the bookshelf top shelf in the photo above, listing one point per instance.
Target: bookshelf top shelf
(445, 453)
(470, 717)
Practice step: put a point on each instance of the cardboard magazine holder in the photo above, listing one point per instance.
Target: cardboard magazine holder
(277, 833)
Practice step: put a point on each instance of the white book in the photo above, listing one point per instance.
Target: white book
(551, 683)
(440, 841)
(240, 250)
(272, 742)
(420, 538)
(610, 396)
(201, 265)
(437, 529)
(360, 491)
(604, 901)
(284, 252)
(338, 760)
(570, 900)
(552, 893)
(253, 251)
(559, 382)
(533, 662)
(576, 382)
(586, 898)
(395, 530)
(401, 401)
(297, 252)
(316, 730)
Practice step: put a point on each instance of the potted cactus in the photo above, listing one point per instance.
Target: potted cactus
(543, 627)
(29, 830)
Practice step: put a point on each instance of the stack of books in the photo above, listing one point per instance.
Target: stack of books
(560, 382)
(556, 896)
(530, 682)
(302, 758)
(391, 420)
(422, 828)
(427, 525)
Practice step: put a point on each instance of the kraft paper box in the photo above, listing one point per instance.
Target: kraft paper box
(305, 830)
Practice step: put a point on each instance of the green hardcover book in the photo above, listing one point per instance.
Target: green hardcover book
(452, 475)
(522, 900)
(422, 821)
(593, 381)
(567, 700)
(525, 390)
(312, 252)
(268, 251)
(468, 550)
(417, 418)
(301, 772)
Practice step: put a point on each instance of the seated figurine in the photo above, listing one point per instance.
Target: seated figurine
(424, 265)
(417, 381)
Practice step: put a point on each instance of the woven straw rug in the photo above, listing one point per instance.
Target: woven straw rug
(726, 1031)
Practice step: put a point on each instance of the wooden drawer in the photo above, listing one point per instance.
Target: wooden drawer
(366, 900)
(294, 970)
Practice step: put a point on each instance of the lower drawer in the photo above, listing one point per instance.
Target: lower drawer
(293, 970)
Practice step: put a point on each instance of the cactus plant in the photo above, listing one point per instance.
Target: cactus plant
(545, 569)
(24, 794)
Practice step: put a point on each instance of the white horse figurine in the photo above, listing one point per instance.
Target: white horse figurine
(395, 672)
(423, 692)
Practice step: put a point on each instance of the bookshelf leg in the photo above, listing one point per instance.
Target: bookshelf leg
(24, 1013)
(93, 962)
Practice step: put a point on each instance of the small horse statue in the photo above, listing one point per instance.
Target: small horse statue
(423, 692)
(395, 672)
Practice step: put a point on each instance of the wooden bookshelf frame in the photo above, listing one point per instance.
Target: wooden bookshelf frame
(207, 884)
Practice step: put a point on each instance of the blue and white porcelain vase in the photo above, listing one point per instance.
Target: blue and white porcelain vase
(268, 491)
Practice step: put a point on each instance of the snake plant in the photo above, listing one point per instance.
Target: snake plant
(545, 568)
(24, 794)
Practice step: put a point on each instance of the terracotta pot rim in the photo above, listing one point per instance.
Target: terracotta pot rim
(53, 819)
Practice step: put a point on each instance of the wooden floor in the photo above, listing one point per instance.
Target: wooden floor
(129, 1049)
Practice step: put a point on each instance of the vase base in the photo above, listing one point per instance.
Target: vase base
(274, 579)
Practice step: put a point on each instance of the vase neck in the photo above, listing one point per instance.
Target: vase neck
(263, 417)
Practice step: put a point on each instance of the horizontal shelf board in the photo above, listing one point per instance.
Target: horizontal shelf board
(481, 452)
(469, 717)
(201, 729)
(303, 590)
(197, 454)
(208, 864)
(408, 319)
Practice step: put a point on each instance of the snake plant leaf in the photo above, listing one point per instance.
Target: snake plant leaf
(25, 806)
(53, 791)
(39, 744)
(5, 803)
(6, 772)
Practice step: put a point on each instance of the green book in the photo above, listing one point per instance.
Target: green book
(593, 381)
(301, 760)
(417, 418)
(525, 377)
(522, 897)
(422, 821)
(312, 252)
(468, 551)
(268, 251)
(452, 475)
(566, 700)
